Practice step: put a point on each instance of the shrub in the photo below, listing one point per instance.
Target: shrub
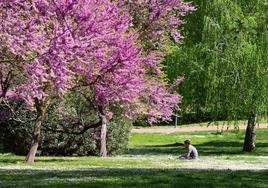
(58, 134)
(117, 137)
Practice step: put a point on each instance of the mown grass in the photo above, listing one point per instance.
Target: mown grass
(151, 161)
(209, 143)
(134, 178)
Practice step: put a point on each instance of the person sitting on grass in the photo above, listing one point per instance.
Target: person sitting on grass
(192, 151)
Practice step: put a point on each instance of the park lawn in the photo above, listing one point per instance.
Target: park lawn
(151, 161)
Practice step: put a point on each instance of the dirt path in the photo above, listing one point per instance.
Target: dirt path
(190, 129)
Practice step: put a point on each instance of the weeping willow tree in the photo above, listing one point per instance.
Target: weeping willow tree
(224, 60)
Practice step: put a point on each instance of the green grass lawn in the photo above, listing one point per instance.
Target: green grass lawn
(151, 161)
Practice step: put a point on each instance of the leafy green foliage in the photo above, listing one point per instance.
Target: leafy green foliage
(118, 137)
(61, 133)
(224, 60)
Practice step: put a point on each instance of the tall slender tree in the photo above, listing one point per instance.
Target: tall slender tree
(225, 63)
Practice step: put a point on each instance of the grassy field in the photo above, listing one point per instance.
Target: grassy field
(151, 161)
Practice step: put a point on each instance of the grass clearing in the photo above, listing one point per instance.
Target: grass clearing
(151, 161)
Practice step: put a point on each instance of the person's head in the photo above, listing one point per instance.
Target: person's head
(186, 143)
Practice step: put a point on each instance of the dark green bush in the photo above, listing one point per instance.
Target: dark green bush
(57, 133)
(118, 137)
(14, 136)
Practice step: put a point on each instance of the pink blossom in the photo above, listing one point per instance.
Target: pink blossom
(63, 43)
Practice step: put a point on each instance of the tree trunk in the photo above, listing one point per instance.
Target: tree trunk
(249, 143)
(41, 108)
(103, 149)
(5, 83)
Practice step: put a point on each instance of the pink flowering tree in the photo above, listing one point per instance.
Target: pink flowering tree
(118, 73)
(63, 44)
(157, 20)
(36, 34)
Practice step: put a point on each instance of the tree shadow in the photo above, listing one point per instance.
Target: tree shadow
(58, 160)
(12, 160)
(133, 177)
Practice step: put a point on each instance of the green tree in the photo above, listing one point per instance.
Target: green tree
(224, 60)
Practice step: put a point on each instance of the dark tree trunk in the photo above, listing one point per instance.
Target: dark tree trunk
(249, 143)
(41, 108)
(5, 83)
(103, 148)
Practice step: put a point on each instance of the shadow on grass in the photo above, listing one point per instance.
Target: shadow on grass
(14, 160)
(205, 149)
(55, 159)
(141, 177)
(10, 160)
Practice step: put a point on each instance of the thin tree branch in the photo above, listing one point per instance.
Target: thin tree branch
(87, 126)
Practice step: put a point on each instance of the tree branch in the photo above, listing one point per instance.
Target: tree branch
(87, 126)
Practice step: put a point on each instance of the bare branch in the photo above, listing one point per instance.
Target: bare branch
(87, 126)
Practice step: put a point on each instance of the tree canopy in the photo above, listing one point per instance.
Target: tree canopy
(91, 47)
(223, 59)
